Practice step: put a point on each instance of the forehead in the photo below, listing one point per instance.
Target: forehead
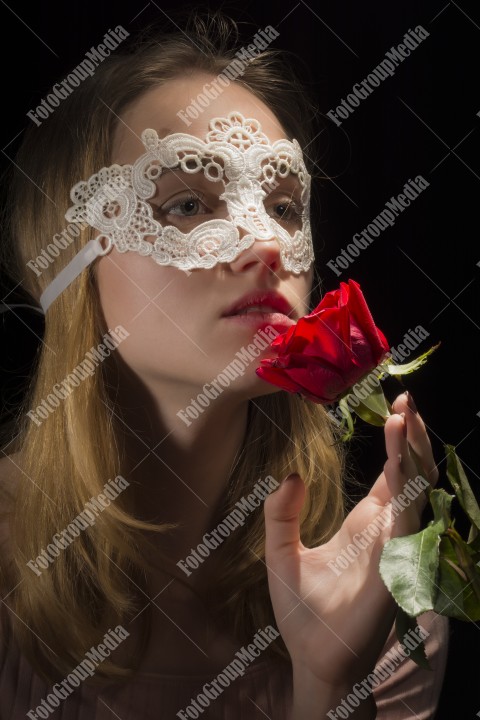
(163, 107)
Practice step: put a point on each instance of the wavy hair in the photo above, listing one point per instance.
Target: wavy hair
(66, 460)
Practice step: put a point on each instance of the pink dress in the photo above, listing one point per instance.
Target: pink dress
(264, 692)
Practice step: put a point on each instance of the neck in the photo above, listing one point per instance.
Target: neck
(179, 471)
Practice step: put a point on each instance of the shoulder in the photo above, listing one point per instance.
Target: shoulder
(406, 690)
(10, 473)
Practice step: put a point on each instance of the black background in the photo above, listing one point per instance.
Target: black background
(423, 120)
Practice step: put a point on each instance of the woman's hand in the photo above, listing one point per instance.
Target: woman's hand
(335, 619)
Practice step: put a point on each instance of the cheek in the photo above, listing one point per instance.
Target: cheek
(303, 287)
(151, 302)
(136, 291)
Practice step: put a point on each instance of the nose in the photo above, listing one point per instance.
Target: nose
(261, 252)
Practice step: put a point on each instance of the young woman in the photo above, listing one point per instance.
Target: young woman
(170, 521)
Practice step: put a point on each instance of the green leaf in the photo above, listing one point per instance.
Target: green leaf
(372, 418)
(376, 402)
(475, 543)
(410, 367)
(441, 503)
(347, 418)
(456, 597)
(408, 567)
(409, 564)
(463, 491)
(404, 623)
(373, 408)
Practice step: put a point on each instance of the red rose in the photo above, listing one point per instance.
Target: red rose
(328, 351)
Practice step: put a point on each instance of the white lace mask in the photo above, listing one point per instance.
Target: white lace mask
(235, 178)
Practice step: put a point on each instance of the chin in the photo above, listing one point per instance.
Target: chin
(263, 388)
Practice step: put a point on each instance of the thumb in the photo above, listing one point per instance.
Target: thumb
(282, 510)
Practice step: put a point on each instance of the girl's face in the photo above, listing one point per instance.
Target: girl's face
(179, 334)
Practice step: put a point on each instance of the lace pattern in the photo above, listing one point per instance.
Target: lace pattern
(235, 153)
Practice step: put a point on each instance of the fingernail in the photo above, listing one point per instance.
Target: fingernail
(404, 425)
(411, 402)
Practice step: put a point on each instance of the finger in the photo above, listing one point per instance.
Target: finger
(282, 518)
(399, 467)
(417, 436)
(397, 484)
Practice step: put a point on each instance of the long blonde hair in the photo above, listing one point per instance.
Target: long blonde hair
(69, 457)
